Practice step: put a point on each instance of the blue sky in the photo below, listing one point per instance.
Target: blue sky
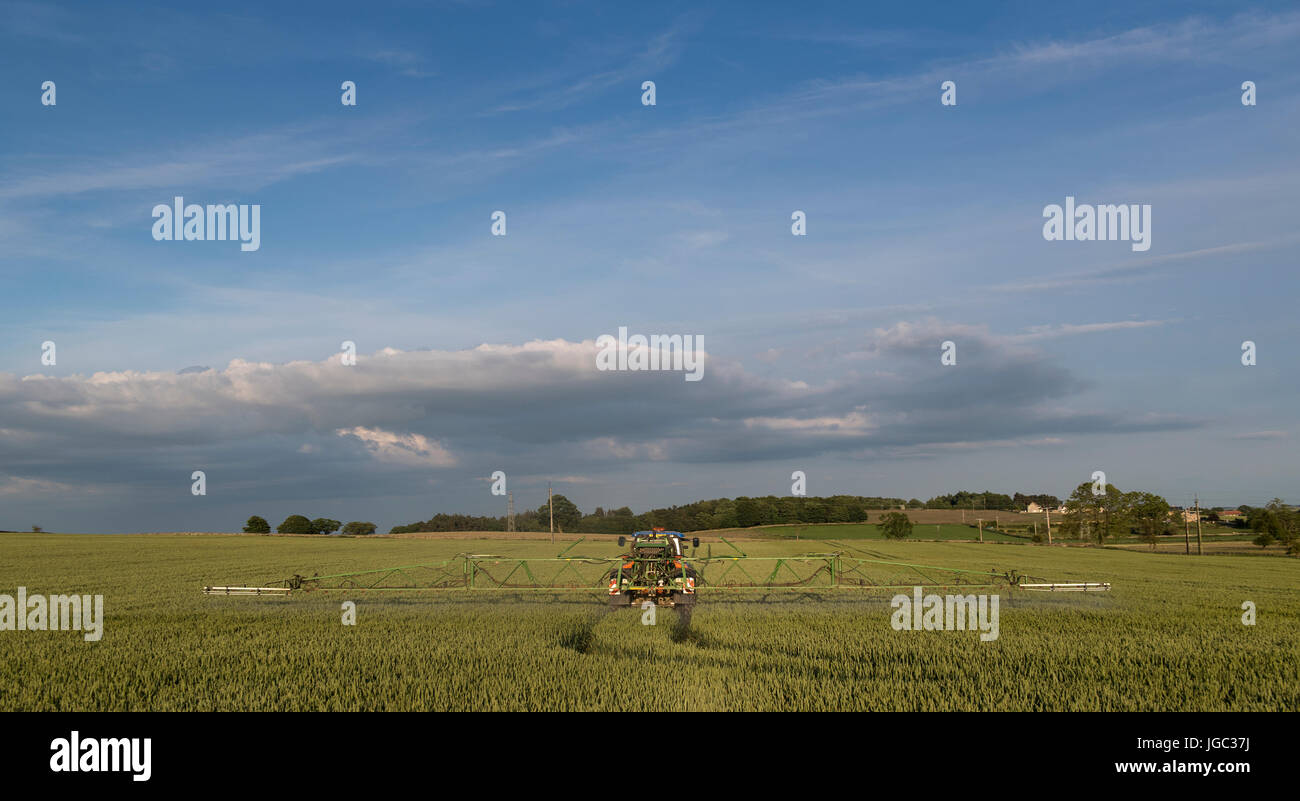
(924, 225)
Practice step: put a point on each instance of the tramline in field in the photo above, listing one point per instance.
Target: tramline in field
(657, 568)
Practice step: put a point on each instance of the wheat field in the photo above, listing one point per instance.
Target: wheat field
(1169, 635)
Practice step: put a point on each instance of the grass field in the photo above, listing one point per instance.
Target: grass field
(870, 531)
(965, 516)
(1169, 636)
(1019, 531)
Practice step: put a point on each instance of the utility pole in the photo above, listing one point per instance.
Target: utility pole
(550, 504)
(980, 525)
(1198, 523)
(1187, 533)
(1049, 526)
(510, 511)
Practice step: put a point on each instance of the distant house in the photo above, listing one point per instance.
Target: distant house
(1033, 508)
(1190, 516)
(1228, 515)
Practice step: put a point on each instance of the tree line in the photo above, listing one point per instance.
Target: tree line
(299, 524)
(1274, 522)
(742, 512)
(994, 501)
(1089, 516)
(1101, 516)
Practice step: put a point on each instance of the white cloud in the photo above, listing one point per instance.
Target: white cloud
(1264, 435)
(20, 487)
(408, 450)
(537, 408)
(624, 450)
(1054, 331)
(854, 423)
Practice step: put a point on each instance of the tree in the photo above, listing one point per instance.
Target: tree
(747, 512)
(567, 514)
(1095, 517)
(295, 524)
(1288, 522)
(895, 525)
(324, 525)
(37, 529)
(1148, 514)
(358, 529)
(1021, 501)
(257, 525)
(971, 500)
(1273, 523)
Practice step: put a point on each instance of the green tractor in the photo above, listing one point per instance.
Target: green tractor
(654, 569)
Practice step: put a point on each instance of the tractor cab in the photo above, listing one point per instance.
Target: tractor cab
(658, 542)
(654, 568)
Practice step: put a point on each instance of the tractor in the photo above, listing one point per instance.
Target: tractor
(654, 569)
